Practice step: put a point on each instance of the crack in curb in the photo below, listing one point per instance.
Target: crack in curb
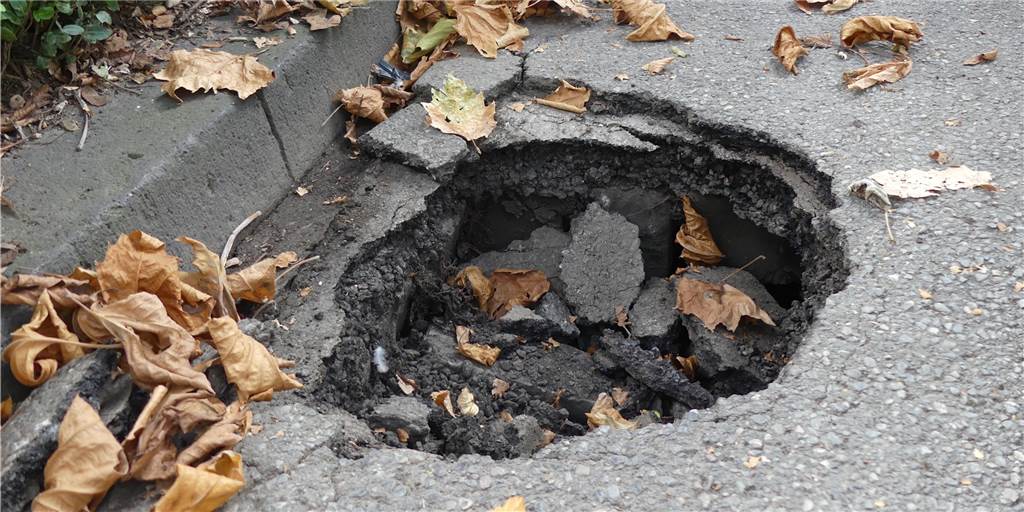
(277, 135)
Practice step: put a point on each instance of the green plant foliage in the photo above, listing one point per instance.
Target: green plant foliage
(48, 30)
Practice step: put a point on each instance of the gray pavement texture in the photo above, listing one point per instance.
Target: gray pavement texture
(891, 402)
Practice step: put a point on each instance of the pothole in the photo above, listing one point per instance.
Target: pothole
(600, 221)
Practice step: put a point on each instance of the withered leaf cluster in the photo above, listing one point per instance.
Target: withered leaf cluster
(504, 289)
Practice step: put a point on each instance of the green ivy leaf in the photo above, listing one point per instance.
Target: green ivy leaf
(43, 13)
(103, 16)
(95, 32)
(42, 62)
(72, 30)
(19, 6)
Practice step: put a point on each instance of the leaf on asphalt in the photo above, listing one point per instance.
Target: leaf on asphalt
(487, 27)
(406, 384)
(752, 461)
(87, 462)
(939, 157)
(817, 41)
(604, 413)
(467, 403)
(258, 282)
(567, 97)
(860, 30)
(207, 70)
(837, 6)
(209, 277)
(695, 237)
(788, 48)
(261, 12)
(247, 363)
(716, 304)
(223, 435)
(915, 183)
(483, 354)
(444, 399)
(499, 388)
(41, 345)
(66, 292)
(883, 72)
(417, 14)
(93, 97)
(459, 110)
(655, 67)
(204, 488)
(156, 349)
(138, 262)
(319, 20)
(651, 20)
(416, 44)
(688, 365)
(513, 504)
(576, 7)
(504, 289)
(981, 58)
(808, 6)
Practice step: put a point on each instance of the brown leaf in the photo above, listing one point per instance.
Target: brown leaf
(403, 435)
(621, 317)
(6, 409)
(223, 435)
(210, 276)
(651, 20)
(620, 396)
(505, 416)
(655, 67)
(880, 28)
(981, 58)
(576, 7)
(550, 344)
(752, 462)
(205, 488)
(467, 403)
(817, 41)
(884, 72)
(925, 294)
(65, 292)
(248, 364)
(42, 345)
(788, 48)
(417, 14)
(258, 282)
(156, 349)
(406, 384)
(487, 27)
(688, 365)
(567, 97)
(93, 97)
(939, 157)
(604, 413)
(444, 399)
(504, 289)
(318, 20)
(477, 282)
(513, 504)
(372, 102)
(483, 354)
(499, 388)
(716, 304)
(86, 463)
(695, 237)
(915, 183)
(837, 6)
(212, 70)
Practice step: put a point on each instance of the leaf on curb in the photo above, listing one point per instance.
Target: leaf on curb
(319, 20)
(41, 345)
(487, 27)
(223, 435)
(883, 72)
(915, 183)
(204, 488)
(247, 363)
(66, 292)
(695, 237)
(513, 504)
(862, 29)
(444, 399)
(982, 58)
(651, 20)
(483, 354)
(372, 102)
(656, 67)
(788, 48)
(207, 70)
(210, 276)
(567, 97)
(459, 110)
(86, 464)
(603, 412)
(416, 44)
(258, 282)
(716, 304)
(467, 403)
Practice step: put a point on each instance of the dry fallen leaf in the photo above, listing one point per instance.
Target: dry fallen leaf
(149, 444)
(372, 102)
(752, 462)
(6, 409)
(915, 183)
(483, 354)
(460, 110)
(788, 48)
(301, 191)
(655, 67)
(487, 27)
(981, 58)
(87, 462)
(318, 20)
(817, 41)
(210, 277)
(209, 70)
(688, 365)
(444, 399)
(248, 364)
(204, 488)
(222, 435)
(716, 304)
(883, 72)
(517, 106)
(622, 77)
(66, 292)
(467, 403)
(258, 282)
(406, 384)
(925, 294)
(939, 157)
(695, 237)
(41, 345)
(550, 344)
(620, 396)
(499, 388)
(403, 435)
(513, 504)
(604, 413)
(567, 97)
(900, 31)
(838, 6)
(504, 289)
(651, 20)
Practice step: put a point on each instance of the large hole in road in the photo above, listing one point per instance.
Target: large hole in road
(600, 222)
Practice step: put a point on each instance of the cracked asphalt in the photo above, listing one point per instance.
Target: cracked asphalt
(892, 402)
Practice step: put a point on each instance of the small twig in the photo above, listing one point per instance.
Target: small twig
(861, 55)
(749, 263)
(86, 112)
(234, 234)
(888, 227)
(256, 314)
(123, 88)
(332, 115)
(477, 148)
(295, 266)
